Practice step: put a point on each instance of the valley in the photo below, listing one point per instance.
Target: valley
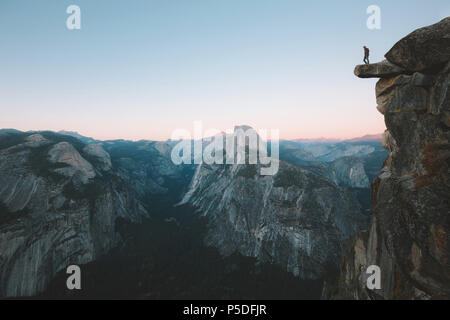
(163, 249)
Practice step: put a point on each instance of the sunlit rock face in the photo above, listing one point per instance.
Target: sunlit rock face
(410, 220)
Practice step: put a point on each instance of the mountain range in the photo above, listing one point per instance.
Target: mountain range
(64, 195)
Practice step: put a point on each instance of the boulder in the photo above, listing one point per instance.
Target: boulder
(424, 49)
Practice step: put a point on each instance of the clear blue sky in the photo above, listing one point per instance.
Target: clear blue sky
(140, 69)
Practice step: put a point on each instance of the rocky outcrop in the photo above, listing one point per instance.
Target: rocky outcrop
(295, 218)
(410, 221)
(383, 69)
(424, 50)
(56, 209)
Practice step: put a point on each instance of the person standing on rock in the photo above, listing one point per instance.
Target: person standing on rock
(366, 55)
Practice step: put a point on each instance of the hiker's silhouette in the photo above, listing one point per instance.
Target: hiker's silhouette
(366, 55)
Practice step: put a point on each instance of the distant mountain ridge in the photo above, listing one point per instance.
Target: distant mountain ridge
(367, 137)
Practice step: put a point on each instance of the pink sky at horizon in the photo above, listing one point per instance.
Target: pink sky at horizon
(130, 138)
(160, 133)
(342, 113)
(142, 71)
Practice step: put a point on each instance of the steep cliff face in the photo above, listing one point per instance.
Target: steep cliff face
(410, 221)
(296, 218)
(59, 201)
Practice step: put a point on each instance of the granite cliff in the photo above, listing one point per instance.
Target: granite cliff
(62, 197)
(59, 202)
(295, 218)
(408, 236)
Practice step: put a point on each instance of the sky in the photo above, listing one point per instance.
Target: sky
(140, 69)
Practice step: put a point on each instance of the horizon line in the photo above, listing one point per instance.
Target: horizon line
(298, 139)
